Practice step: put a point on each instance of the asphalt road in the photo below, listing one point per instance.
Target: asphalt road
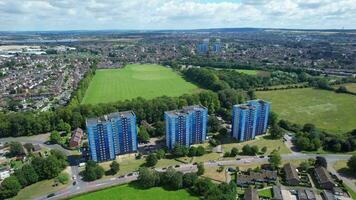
(83, 187)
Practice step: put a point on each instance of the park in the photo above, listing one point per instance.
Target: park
(147, 81)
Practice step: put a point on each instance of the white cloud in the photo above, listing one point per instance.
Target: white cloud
(174, 14)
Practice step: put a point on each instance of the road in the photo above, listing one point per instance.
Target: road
(83, 187)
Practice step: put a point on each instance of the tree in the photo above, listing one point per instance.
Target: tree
(180, 150)
(189, 179)
(30, 173)
(304, 166)
(159, 128)
(308, 128)
(200, 151)
(16, 149)
(51, 167)
(201, 169)
(28, 147)
(351, 163)
(9, 187)
(160, 153)
(192, 151)
(214, 124)
(63, 177)
(92, 171)
(234, 152)
(151, 160)
(147, 178)
(114, 167)
(273, 118)
(202, 186)
(55, 137)
(321, 162)
(275, 159)
(143, 136)
(264, 150)
(276, 131)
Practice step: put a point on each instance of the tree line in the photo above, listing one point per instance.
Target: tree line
(173, 180)
(309, 138)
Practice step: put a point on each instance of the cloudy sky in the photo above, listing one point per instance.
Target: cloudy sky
(19, 15)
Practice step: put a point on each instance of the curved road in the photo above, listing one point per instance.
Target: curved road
(83, 187)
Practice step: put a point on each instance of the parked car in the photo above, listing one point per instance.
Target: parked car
(51, 195)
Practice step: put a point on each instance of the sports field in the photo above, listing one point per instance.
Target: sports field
(147, 81)
(126, 192)
(328, 110)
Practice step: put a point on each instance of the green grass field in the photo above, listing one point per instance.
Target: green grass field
(328, 110)
(127, 192)
(147, 81)
(260, 142)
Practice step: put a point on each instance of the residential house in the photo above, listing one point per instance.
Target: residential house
(251, 194)
(291, 174)
(265, 176)
(76, 138)
(323, 178)
(277, 193)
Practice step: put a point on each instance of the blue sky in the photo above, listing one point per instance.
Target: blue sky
(20, 15)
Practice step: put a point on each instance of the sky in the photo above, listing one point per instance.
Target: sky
(42, 15)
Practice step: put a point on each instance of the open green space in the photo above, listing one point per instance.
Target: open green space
(38, 189)
(146, 81)
(247, 71)
(329, 111)
(125, 192)
(267, 193)
(262, 141)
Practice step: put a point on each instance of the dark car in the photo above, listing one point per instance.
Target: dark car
(130, 174)
(75, 183)
(177, 166)
(262, 156)
(51, 195)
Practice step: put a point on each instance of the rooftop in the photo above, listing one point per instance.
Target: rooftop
(185, 110)
(109, 117)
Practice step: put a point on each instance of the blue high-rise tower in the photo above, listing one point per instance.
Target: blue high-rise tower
(263, 108)
(112, 135)
(244, 119)
(250, 119)
(186, 126)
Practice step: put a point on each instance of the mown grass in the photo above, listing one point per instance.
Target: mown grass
(146, 81)
(125, 192)
(329, 111)
(262, 141)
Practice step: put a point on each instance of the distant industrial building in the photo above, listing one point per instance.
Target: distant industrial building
(250, 119)
(186, 126)
(111, 135)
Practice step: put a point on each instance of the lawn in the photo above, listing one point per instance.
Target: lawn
(328, 110)
(265, 193)
(212, 173)
(126, 192)
(146, 81)
(247, 71)
(261, 142)
(37, 189)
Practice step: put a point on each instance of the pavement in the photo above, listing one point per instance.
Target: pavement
(84, 187)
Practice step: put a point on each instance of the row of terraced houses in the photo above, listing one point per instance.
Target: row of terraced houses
(116, 133)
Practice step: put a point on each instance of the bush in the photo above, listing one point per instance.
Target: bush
(63, 177)
(151, 160)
